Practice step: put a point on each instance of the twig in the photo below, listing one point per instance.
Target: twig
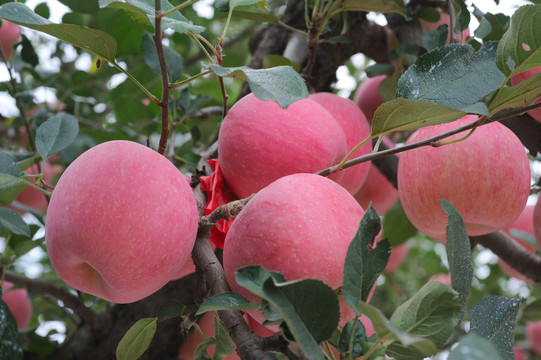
(164, 103)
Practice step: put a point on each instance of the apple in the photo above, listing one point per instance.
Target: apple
(533, 334)
(444, 20)
(398, 255)
(443, 278)
(536, 114)
(355, 126)
(122, 221)
(519, 355)
(486, 177)
(260, 142)
(377, 189)
(523, 223)
(10, 34)
(367, 96)
(18, 303)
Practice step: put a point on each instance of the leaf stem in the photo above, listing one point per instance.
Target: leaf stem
(198, 38)
(341, 164)
(178, 84)
(136, 82)
(178, 8)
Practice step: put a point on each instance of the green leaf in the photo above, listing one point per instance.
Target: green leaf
(10, 175)
(532, 311)
(55, 134)
(350, 340)
(452, 76)
(458, 255)
(273, 60)
(174, 61)
(396, 225)
(133, 12)
(253, 277)
(379, 69)
(172, 308)
(381, 6)
(436, 38)
(255, 16)
(11, 220)
(11, 345)
(483, 29)
(224, 345)
(362, 265)
(310, 309)
(462, 16)
(522, 94)
(95, 41)
(226, 301)
(401, 114)
(432, 313)
(520, 46)
(235, 3)
(28, 53)
(137, 339)
(281, 84)
(474, 347)
(494, 319)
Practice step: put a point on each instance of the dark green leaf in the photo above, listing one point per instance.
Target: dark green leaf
(226, 301)
(381, 6)
(483, 29)
(137, 339)
(458, 254)
(520, 46)
(43, 10)
(133, 12)
(11, 345)
(532, 311)
(499, 24)
(396, 225)
(462, 16)
(379, 69)
(95, 41)
(436, 38)
(11, 220)
(174, 61)
(281, 84)
(10, 175)
(522, 94)
(401, 114)
(224, 345)
(28, 53)
(363, 265)
(172, 308)
(56, 134)
(452, 76)
(494, 319)
(432, 313)
(351, 337)
(474, 347)
(253, 277)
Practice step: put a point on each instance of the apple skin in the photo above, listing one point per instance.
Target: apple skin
(18, 303)
(296, 226)
(443, 278)
(259, 142)
(519, 355)
(486, 177)
(536, 114)
(533, 334)
(122, 221)
(367, 96)
(10, 34)
(525, 223)
(355, 127)
(398, 255)
(444, 20)
(377, 189)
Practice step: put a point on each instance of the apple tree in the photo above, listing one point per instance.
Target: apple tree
(394, 218)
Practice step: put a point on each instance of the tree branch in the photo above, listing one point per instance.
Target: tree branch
(164, 103)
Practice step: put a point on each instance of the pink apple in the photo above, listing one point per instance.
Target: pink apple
(260, 142)
(519, 355)
(121, 223)
(524, 223)
(444, 20)
(537, 222)
(355, 126)
(300, 225)
(533, 334)
(536, 114)
(18, 303)
(377, 189)
(486, 177)
(398, 255)
(367, 95)
(10, 34)
(443, 278)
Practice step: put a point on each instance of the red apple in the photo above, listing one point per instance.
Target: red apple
(537, 222)
(519, 355)
(121, 223)
(18, 303)
(10, 34)
(443, 278)
(260, 142)
(486, 177)
(533, 334)
(355, 126)
(398, 255)
(444, 20)
(367, 95)
(536, 114)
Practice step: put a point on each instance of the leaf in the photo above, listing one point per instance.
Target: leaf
(172, 308)
(362, 265)
(494, 319)
(453, 76)
(432, 313)
(55, 134)
(10, 175)
(11, 345)
(474, 347)
(11, 220)
(532, 311)
(226, 301)
(522, 94)
(436, 38)
(253, 277)
(95, 41)
(224, 345)
(520, 47)
(402, 114)
(174, 61)
(281, 84)
(379, 69)
(133, 12)
(381, 6)
(350, 339)
(458, 255)
(137, 339)
(256, 16)
(462, 18)
(396, 225)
